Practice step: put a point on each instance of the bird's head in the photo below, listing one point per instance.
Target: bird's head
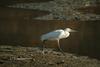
(69, 30)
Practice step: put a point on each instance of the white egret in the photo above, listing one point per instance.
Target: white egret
(57, 35)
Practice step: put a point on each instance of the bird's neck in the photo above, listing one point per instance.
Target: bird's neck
(67, 33)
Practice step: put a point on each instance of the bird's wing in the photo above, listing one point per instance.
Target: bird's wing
(52, 35)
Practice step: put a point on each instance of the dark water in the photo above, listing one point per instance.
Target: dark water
(85, 42)
(91, 39)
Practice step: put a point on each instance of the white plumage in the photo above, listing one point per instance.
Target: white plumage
(57, 35)
(54, 35)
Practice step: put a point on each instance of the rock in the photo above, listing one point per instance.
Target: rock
(1, 62)
(51, 63)
(75, 57)
(23, 58)
(60, 62)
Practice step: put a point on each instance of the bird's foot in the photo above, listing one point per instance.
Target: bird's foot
(43, 52)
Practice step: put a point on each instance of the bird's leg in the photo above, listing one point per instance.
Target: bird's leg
(43, 46)
(60, 47)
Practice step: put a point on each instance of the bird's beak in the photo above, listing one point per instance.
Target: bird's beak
(73, 30)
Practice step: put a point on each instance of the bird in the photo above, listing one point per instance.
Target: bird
(56, 35)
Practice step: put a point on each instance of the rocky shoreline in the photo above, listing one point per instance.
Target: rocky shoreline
(17, 56)
(61, 9)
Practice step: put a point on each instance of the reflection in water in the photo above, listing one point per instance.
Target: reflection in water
(14, 14)
(11, 2)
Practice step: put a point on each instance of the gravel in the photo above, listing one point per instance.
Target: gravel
(33, 57)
